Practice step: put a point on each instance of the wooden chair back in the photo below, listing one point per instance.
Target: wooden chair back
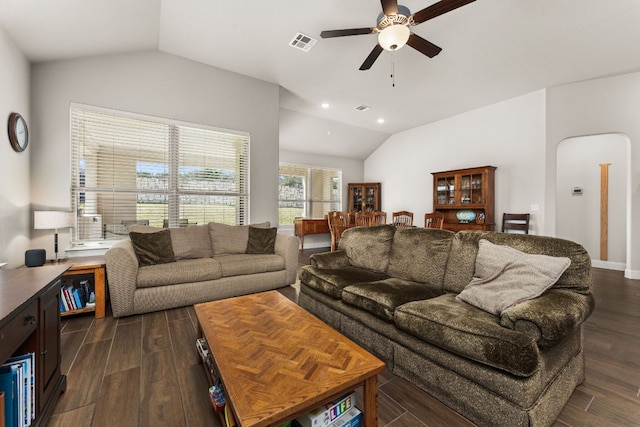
(518, 223)
(364, 219)
(402, 219)
(433, 220)
(338, 222)
(379, 218)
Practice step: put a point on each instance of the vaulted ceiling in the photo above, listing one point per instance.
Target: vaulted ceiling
(492, 50)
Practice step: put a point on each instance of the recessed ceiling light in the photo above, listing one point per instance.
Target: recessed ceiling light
(325, 105)
(380, 120)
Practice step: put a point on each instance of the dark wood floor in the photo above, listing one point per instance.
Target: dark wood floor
(144, 371)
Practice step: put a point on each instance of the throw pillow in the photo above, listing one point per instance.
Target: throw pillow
(152, 248)
(261, 240)
(505, 276)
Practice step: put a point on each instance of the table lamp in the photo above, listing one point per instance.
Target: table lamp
(53, 220)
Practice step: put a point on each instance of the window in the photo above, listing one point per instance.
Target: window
(307, 192)
(133, 169)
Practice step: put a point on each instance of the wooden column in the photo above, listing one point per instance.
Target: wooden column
(604, 211)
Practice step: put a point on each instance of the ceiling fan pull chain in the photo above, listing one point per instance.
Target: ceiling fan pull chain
(393, 72)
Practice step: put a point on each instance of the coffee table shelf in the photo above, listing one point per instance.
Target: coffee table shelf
(277, 362)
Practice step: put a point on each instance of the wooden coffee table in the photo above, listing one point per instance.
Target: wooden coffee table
(278, 362)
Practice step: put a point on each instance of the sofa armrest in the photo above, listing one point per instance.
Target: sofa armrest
(287, 247)
(122, 272)
(550, 317)
(332, 260)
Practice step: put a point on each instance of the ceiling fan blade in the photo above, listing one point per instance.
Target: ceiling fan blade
(438, 9)
(377, 50)
(423, 46)
(349, 32)
(389, 7)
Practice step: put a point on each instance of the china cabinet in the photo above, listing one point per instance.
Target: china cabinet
(364, 197)
(465, 197)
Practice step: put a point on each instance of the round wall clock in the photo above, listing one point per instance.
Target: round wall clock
(18, 132)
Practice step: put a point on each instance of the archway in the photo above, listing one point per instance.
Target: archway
(578, 195)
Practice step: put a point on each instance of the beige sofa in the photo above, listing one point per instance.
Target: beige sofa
(399, 293)
(210, 263)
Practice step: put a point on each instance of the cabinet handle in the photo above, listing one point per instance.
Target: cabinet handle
(31, 319)
(43, 353)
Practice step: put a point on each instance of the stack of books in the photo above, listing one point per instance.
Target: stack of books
(17, 381)
(76, 296)
(342, 412)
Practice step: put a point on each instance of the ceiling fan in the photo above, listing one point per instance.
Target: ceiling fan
(393, 28)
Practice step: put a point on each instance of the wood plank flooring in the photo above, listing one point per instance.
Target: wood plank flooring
(144, 370)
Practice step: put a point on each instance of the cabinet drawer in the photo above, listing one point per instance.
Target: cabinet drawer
(18, 329)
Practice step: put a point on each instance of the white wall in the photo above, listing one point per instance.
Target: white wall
(15, 218)
(155, 84)
(509, 135)
(578, 215)
(352, 171)
(607, 105)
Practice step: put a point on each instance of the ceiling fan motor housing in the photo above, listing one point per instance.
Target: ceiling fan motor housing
(401, 18)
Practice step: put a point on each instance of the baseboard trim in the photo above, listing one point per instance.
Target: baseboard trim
(608, 265)
(632, 274)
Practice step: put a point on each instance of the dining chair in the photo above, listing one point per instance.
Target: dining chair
(338, 222)
(364, 219)
(433, 220)
(379, 218)
(518, 223)
(402, 219)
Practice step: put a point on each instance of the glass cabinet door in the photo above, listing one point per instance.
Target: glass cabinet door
(370, 197)
(356, 199)
(470, 189)
(445, 188)
(476, 188)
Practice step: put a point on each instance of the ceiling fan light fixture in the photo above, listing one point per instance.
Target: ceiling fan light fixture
(393, 37)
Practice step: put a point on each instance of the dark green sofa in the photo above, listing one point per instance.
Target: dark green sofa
(394, 292)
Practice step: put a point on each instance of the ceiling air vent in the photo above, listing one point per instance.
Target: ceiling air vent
(303, 42)
(363, 108)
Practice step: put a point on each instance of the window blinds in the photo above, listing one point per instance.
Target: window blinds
(133, 169)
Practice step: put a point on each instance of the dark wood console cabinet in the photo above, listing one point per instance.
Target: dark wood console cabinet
(30, 322)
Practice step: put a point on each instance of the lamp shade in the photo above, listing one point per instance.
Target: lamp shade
(394, 37)
(49, 220)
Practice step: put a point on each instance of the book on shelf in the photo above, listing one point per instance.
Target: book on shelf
(326, 414)
(75, 295)
(17, 381)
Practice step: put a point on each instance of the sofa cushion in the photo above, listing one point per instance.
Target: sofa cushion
(191, 242)
(331, 281)
(152, 248)
(420, 254)
(230, 239)
(368, 247)
(261, 240)
(382, 297)
(184, 271)
(505, 276)
(461, 264)
(240, 264)
(470, 332)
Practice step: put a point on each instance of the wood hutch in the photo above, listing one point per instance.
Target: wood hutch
(466, 198)
(364, 197)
